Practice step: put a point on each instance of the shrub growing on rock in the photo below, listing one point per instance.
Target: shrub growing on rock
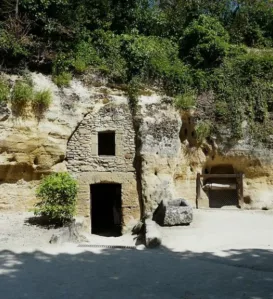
(41, 101)
(185, 101)
(58, 198)
(62, 79)
(22, 92)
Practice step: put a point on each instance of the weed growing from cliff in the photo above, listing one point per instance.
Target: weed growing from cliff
(203, 131)
(133, 94)
(185, 101)
(80, 66)
(57, 193)
(62, 79)
(22, 92)
(41, 102)
(4, 91)
(21, 95)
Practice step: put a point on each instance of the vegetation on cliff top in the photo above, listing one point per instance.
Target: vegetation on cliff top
(181, 47)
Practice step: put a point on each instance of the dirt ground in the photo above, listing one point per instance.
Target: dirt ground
(222, 254)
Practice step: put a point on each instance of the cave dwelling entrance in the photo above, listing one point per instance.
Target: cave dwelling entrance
(223, 187)
(106, 211)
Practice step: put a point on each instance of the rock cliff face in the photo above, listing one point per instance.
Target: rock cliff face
(156, 154)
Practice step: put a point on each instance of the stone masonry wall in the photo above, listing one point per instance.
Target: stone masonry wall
(89, 168)
(82, 150)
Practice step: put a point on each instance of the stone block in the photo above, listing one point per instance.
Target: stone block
(69, 233)
(152, 234)
(174, 212)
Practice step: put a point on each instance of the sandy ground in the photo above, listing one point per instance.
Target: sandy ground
(223, 254)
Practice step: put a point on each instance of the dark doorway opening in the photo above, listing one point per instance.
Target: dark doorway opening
(106, 144)
(222, 198)
(106, 216)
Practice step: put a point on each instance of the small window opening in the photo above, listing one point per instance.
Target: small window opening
(106, 144)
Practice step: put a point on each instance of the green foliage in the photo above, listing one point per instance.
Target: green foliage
(186, 101)
(222, 47)
(133, 92)
(41, 101)
(22, 92)
(243, 90)
(85, 55)
(4, 90)
(57, 193)
(80, 65)
(10, 45)
(109, 60)
(204, 43)
(203, 130)
(221, 111)
(63, 79)
(155, 60)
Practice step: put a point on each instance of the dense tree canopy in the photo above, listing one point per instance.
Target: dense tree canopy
(178, 46)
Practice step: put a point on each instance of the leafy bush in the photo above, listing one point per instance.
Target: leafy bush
(80, 66)
(41, 101)
(22, 95)
(85, 55)
(221, 110)
(58, 198)
(4, 90)
(155, 60)
(203, 130)
(9, 44)
(22, 92)
(109, 60)
(205, 42)
(133, 91)
(62, 79)
(185, 101)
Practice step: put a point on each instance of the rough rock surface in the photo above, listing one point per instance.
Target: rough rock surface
(152, 234)
(5, 112)
(174, 212)
(162, 165)
(159, 153)
(69, 233)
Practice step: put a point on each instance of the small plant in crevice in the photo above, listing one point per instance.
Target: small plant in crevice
(57, 193)
(203, 130)
(63, 79)
(22, 94)
(80, 66)
(133, 94)
(185, 101)
(41, 102)
(4, 91)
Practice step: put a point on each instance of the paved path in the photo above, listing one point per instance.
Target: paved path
(224, 254)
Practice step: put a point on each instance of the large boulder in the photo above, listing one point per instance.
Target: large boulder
(174, 212)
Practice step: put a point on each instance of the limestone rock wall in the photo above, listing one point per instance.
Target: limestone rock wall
(159, 153)
(157, 157)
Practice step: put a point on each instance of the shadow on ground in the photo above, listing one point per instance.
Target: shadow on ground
(43, 222)
(121, 273)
